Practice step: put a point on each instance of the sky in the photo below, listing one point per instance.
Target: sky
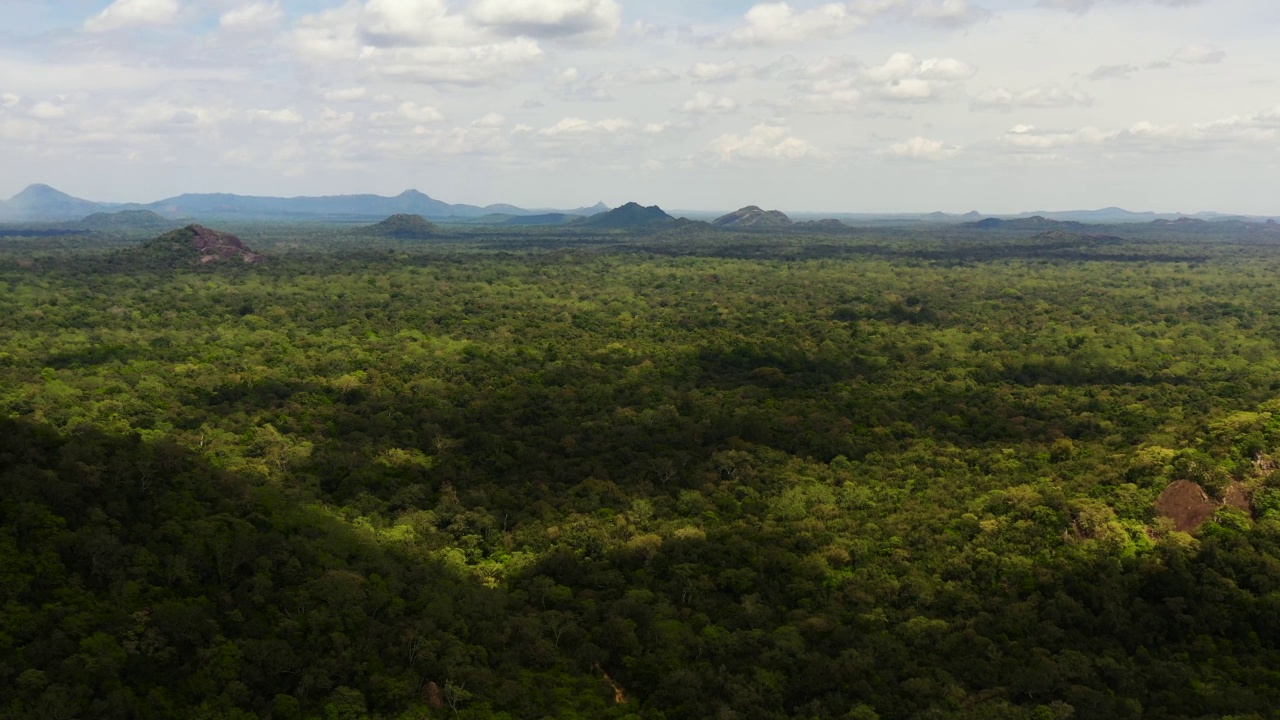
(1000, 106)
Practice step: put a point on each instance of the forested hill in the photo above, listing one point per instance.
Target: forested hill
(613, 482)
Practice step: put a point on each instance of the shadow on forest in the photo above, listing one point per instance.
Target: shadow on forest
(192, 586)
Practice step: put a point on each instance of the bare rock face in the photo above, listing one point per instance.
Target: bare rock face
(213, 246)
(206, 245)
(1189, 506)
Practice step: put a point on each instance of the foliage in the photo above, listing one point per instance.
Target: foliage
(696, 475)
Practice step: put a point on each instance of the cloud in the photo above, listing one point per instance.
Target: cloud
(254, 17)
(48, 110)
(762, 143)
(1244, 132)
(707, 72)
(1083, 6)
(1036, 97)
(351, 94)
(284, 116)
(903, 77)
(950, 13)
(413, 41)
(550, 18)
(490, 120)
(1199, 55)
(134, 13)
(577, 127)
(918, 148)
(408, 112)
(705, 103)
(1108, 72)
(778, 22)
(8, 100)
(570, 84)
(775, 23)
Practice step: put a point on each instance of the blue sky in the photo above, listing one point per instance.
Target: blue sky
(865, 105)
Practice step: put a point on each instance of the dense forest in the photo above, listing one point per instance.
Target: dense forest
(891, 474)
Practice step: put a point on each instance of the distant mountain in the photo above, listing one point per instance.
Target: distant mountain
(631, 216)
(124, 221)
(41, 202)
(753, 218)
(195, 244)
(827, 225)
(405, 227)
(1036, 222)
(544, 219)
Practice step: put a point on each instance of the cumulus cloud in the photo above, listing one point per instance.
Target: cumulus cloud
(1109, 72)
(409, 112)
(1000, 98)
(704, 103)
(775, 23)
(762, 143)
(550, 18)
(1245, 132)
(1199, 55)
(351, 94)
(134, 13)
(254, 17)
(919, 148)
(709, 72)
(283, 116)
(950, 13)
(48, 110)
(8, 100)
(904, 77)
(413, 40)
(1083, 6)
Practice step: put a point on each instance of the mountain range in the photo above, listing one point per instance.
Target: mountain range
(41, 203)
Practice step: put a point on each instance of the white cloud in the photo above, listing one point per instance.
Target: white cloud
(1083, 6)
(950, 13)
(351, 94)
(918, 148)
(762, 143)
(8, 100)
(490, 120)
(775, 23)
(1199, 55)
(1036, 97)
(473, 65)
(414, 41)
(577, 127)
(254, 17)
(134, 13)
(550, 18)
(904, 77)
(408, 112)
(48, 110)
(708, 72)
(704, 103)
(283, 116)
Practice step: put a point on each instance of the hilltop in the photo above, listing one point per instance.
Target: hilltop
(403, 226)
(752, 217)
(1035, 222)
(199, 244)
(631, 216)
(125, 220)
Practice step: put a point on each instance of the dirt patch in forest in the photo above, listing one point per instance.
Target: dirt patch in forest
(1189, 506)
